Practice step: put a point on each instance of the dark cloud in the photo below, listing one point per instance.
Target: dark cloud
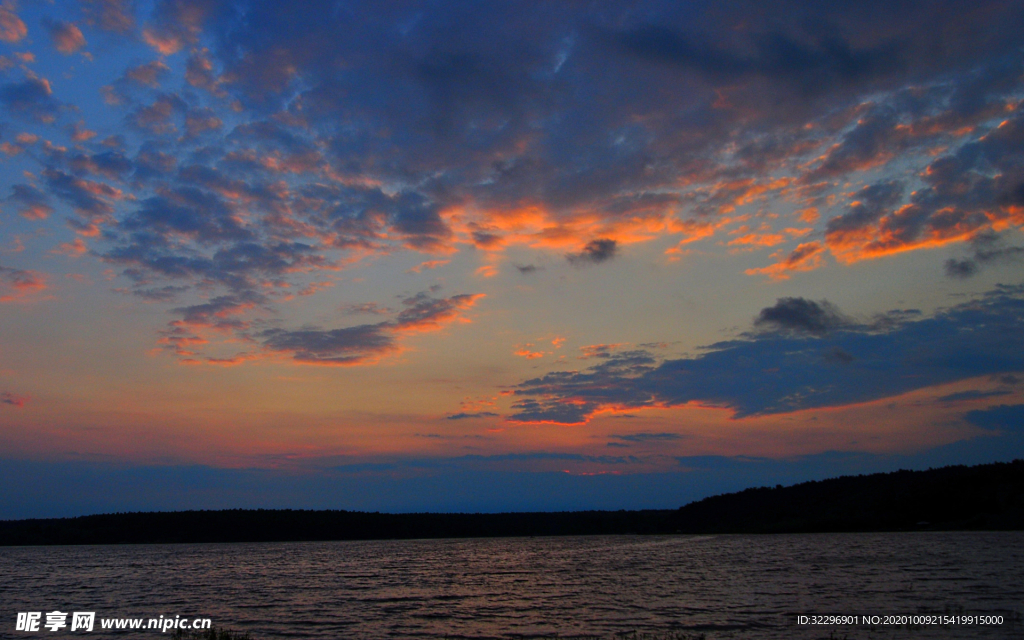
(418, 220)
(363, 343)
(159, 294)
(151, 162)
(108, 164)
(966, 194)
(159, 117)
(960, 268)
(867, 206)
(288, 141)
(201, 121)
(351, 345)
(801, 316)
(876, 138)
(15, 284)
(647, 437)
(971, 395)
(178, 23)
(32, 203)
(553, 411)
(1005, 417)
(989, 247)
(471, 98)
(148, 74)
(31, 98)
(526, 269)
(478, 414)
(89, 198)
(424, 312)
(192, 212)
(199, 73)
(117, 16)
(595, 252)
(773, 373)
(607, 115)
(66, 36)
(10, 399)
(813, 65)
(240, 266)
(12, 28)
(368, 308)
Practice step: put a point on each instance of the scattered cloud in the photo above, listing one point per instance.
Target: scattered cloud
(368, 308)
(801, 316)
(989, 247)
(116, 16)
(18, 284)
(66, 36)
(1005, 417)
(429, 264)
(366, 343)
(478, 414)
(32, 203)
(647, 437)
(12, 29)
(31, 98)
(779, 373)
(595, 252)
(806, 257)
(12, 400)
(962, 396)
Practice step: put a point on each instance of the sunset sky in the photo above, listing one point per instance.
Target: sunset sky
(499, 256)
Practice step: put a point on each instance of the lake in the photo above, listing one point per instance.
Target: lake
(729, 586)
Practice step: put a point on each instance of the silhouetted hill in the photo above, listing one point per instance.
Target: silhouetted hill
(262, 525)
(987, 496)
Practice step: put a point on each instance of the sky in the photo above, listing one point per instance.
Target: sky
(463, 256)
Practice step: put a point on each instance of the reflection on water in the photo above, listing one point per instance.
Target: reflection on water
(723, 586)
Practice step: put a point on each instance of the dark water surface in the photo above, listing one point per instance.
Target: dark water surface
(675, 586)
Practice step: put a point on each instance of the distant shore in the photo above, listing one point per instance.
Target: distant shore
(982, 497)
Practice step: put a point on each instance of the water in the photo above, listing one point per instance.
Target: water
(678, 586)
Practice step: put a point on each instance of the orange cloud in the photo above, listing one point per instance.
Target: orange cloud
(75, 248)
(147, 74)
(809, 215)
(429, 264)
(12, 29)
(430, 314)
(19, 284)
(524, 352)
(67, 37)
(890, 236)
(598, 350)
(164, 43)
(695, 230)
(536, 226)
(763, 237)
(806, 257)
(314, 287)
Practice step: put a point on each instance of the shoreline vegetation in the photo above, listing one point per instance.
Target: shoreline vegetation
(978, 498)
